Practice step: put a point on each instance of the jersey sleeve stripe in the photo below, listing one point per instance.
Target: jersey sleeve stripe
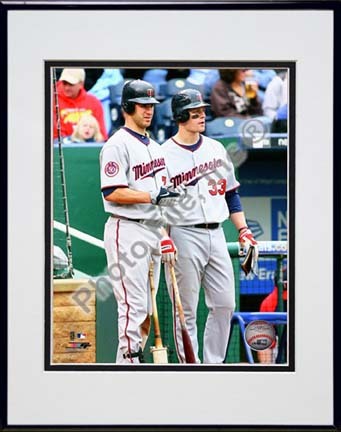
(114, 187)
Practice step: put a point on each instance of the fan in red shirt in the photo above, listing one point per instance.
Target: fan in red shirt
(270, 303)
(74, 101)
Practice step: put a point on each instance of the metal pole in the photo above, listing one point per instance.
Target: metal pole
(70, 271)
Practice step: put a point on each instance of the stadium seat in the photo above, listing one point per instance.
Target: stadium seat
(157, 77)
(224, 127)
(115, 92)
(206, 77)
(165, 126)
(199, 87)
(174, 85)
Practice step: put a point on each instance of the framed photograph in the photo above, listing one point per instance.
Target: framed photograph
(258, 94)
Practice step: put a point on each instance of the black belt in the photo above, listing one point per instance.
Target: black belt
(141, 221)
(214, 225)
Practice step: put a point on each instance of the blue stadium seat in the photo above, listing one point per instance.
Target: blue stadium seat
(157, 77)
(174, 85)
(115, 92)
(224, 127)
(199, 87)
(207, 77)
(165, 126)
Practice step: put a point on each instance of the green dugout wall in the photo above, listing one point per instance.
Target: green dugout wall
(87, 218)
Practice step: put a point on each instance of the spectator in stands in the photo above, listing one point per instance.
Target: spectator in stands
(87, 130)
(263, 78)
(229, 95)
(109, 77)
(75, 101)
(101, 90)
(276, 94)
(270, 304)
(91, 77)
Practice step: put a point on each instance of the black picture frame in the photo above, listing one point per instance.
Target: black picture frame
(299, 5)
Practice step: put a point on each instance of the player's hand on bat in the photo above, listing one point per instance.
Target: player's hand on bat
(164, 197)
(246, 238)
(181, 189)
(250, 246)
(168, 251)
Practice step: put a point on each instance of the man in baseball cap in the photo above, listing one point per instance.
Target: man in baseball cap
(73, 76)
(75, 101)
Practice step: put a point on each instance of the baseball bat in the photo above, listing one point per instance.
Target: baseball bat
(70, 271)
(246, 264)
(159, 351)
(186, 340)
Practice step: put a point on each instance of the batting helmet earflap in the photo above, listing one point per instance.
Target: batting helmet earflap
(185, 100)
(137, 91)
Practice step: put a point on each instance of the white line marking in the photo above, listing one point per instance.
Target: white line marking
(79, 234)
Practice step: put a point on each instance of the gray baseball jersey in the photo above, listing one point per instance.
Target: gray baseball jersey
(128, 159)
(209, 173)
(203, 258)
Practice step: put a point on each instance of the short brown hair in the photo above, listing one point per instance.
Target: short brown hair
(228, 75)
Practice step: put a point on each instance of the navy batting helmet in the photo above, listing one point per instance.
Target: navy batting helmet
(185, 100)
(137, 91)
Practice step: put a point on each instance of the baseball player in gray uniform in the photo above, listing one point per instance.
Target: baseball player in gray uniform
(203, 165)
(134, 184)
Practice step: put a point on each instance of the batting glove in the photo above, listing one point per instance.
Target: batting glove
(168, 251)
(164, 197)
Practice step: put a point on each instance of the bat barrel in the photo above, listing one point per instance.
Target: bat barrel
(186, 340)
(159, 351)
